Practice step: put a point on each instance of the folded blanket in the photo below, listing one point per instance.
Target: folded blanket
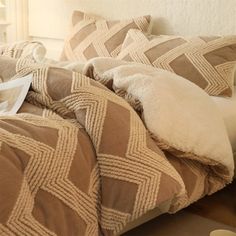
(181, 116)
(78, 160)
(27, 51)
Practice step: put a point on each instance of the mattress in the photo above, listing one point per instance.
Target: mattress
(227, 107)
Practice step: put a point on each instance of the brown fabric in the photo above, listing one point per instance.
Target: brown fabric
(27, 49)
(83, 163)
(110, 71)
(95, 37)
(209, 62)
(7, 68)
(39, 173)
(10, 53)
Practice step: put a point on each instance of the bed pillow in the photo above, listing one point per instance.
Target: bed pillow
(93, 37)
(209, 62)
(24, 49)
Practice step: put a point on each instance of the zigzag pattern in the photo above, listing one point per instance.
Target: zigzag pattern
(148, 168)
(99, 177)
(137, 163)
(209, 62)
(48, 169)
(24, 49)
(91, 37)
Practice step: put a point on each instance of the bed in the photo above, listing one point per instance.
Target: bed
(106, 140)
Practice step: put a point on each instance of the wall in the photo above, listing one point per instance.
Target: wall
(49, 19)
(17, 16)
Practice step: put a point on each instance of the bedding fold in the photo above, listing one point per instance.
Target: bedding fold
(181, 117)
(79, 148)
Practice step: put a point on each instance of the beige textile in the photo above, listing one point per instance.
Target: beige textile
(78, 148)
(209, 62)
(91, 36)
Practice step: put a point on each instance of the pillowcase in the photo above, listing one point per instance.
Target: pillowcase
(209, 62)
(93, 37)
(25, 49)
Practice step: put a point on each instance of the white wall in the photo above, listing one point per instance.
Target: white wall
(17, 16)
(49, 19)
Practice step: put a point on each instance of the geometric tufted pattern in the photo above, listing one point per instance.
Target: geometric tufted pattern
(58, 178)
(91, 36)
(30, 49)
(78, 160)
(209, 62)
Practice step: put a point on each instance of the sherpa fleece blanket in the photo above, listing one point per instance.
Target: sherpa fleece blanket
(78, 160)
(181, 116)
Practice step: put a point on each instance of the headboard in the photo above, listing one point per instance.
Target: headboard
(49, 20)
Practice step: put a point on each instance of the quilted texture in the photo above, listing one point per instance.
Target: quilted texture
(208, 62)
(93, 37)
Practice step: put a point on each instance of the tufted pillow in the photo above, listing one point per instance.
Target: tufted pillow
(24, 49)
(209, 62)
(91, 36)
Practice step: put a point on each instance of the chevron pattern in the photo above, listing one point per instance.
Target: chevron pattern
(33, 49)
(78, 160)
(46, 169)
(209, 62)
(113, 153)
(92, 37)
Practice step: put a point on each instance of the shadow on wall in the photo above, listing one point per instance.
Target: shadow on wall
(162, 26)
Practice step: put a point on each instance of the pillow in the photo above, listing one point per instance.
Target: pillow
(25, 49)
(92, 37)
(209, 62)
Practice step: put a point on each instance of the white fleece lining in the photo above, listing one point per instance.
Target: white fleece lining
(177, 111)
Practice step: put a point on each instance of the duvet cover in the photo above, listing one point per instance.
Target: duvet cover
(79, 160)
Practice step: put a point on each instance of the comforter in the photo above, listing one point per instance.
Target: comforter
(78, 160)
